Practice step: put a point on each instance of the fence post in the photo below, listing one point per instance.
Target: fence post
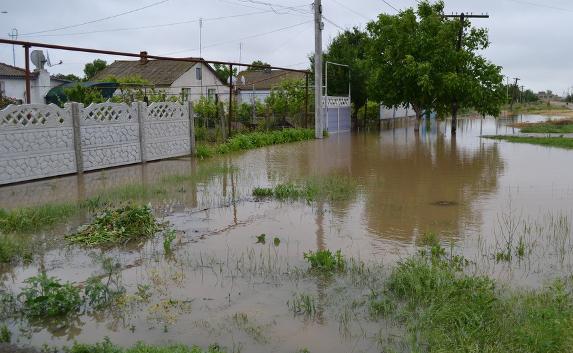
(191, 113)
(221, 111)
(141, 108)
(76, 123)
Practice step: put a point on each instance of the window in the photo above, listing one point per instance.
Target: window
(211, 92)
(185, 93)
(198, 74)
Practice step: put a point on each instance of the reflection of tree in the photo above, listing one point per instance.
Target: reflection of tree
(425, 185)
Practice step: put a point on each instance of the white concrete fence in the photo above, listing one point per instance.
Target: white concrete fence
(40, 141)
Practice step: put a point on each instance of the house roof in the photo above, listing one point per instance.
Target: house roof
(265, 79)
(13, 71)
(157, 72)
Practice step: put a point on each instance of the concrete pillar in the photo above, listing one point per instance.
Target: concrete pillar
(141, 108)
(191, 113)
(76, 123)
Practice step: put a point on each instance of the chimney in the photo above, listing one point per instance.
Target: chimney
(143, 58)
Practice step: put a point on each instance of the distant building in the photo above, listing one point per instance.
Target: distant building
(189, 80)
(13, 83)
(257, 85)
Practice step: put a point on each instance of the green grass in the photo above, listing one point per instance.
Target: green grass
(325, 261)
(333, 189)
(303, 304)
(561, 142)
(30, 219)
(446, 310)
(107, 347)
(47, 296)
(252, 140)
(115, 226)
(548, 129)
(13, 248)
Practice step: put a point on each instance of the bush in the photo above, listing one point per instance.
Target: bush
(117, 226)
(46, 296)
(326, 261)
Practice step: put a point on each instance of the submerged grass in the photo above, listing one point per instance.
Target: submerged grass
(333, 189)
(13, 249)
(29, 219)
(561, 142)
(257, 139)
(116, 226)
(107, 347)
(446, 310)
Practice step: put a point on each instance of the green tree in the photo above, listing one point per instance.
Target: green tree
(84, 95)
(91, 69)
(414, 61)
(349, 48)
(261, 65)
(68, 77)
(223, 72)
(287, 100)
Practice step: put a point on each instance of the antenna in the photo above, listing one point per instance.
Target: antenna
(49, 63)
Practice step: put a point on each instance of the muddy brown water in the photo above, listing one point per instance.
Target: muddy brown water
(479, 196)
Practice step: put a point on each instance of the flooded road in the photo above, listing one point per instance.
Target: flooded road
(478, 196)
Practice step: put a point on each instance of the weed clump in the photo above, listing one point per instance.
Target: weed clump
(303, 304)
(333, 189)
(117, 226)
(5, 334)
(30, 219)
(325, 261)
(47, 296)
(107, 347)
(14, 249)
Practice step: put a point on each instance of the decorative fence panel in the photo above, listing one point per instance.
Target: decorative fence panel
(167, 131)
(109, 135)
(36, 141)
(39, 141)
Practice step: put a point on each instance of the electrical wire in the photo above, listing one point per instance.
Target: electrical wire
(155, 26)
(96, 20)
(350, 9)
(541, 5)
(334, 24)
(392, 6)
(239, 39)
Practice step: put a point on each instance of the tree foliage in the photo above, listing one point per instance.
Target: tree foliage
(68, 77)
(287, 99)
(84, 95)
(91, 69)
(223, 72)
(261, 65)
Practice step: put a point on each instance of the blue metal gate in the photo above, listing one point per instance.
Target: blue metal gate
(337, 112)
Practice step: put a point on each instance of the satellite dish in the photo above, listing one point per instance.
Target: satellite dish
(38, 59)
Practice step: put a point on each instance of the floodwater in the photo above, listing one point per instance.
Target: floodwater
(479, 196)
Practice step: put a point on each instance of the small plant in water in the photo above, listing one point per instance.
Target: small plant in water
(276, 241)
(261, 239)
(168, 239)
(325, 260)
(302, 304)
(5, 334)
(117, 226)
(46, 296)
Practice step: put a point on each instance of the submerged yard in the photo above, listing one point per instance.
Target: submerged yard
(390, 242)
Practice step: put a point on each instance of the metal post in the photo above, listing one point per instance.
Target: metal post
(191, 113)
(318, 124)
(230, 99)
(306, 102)
(27, 65)
(76, 118)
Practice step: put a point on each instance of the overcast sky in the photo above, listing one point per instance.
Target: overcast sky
(531, 39)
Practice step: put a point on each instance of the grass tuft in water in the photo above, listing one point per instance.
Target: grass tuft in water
(325, 261)
(303, 304)
(13, 248)
(332, 189)
(107, 347)
(117, 226)
(448, 310)
(30, 219)
(561, 142)
(5, 334)
(47, 296)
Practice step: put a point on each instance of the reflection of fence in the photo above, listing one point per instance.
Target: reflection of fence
(38, 141)
(338, 114)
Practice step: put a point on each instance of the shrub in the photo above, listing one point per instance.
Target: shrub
(46, 296)
(325, 260)
(117, 226)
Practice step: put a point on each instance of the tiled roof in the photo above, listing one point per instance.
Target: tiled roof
(157, 72)
(265, 79)
(13, 71)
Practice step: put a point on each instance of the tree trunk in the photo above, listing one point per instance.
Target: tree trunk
(454, 117)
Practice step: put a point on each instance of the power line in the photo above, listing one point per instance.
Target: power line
(541, 5)
(154, 26)
(334, 24)
(240, 39)
(392, 6)
(97, 20)
(350, 9)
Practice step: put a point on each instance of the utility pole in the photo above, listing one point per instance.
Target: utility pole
(201, 52)
(13, 35)
(521, 95)
(513, 92)
(318, 26)
(455, 103)
(507, 89)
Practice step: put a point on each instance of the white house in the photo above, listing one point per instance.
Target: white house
(189, 80)
(258, 84)
(13, 83)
